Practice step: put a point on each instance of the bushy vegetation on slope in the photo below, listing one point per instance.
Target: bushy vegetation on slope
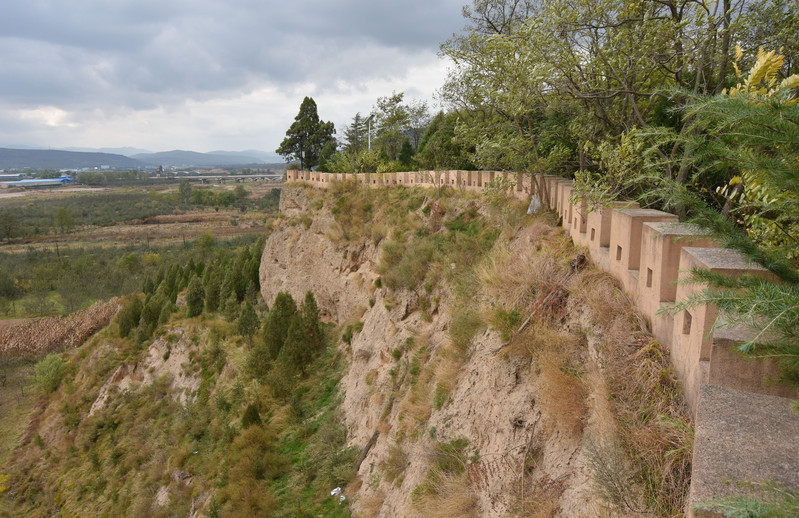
(63, 280)
(258, 439)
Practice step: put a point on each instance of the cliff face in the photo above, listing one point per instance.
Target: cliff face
(516, 422)
(299, 258)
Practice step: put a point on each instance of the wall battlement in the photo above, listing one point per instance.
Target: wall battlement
(651, 255)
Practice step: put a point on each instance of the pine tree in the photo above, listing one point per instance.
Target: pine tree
(128, 317)
(277, 323)
(307, 136)
(247, 323)
(212, 297)
(297, 350)
(227, 286)
(231, 308)
(310, 321)
(166, 313)
(195, 297)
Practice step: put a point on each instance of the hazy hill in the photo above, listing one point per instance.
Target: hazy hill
(182, 158)
(262, 156)
(57, 159)
(126, 151)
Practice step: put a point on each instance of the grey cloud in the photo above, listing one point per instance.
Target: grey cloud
(97, 59)
(135, 51)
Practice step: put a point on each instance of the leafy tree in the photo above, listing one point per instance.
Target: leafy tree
(306, 136)
(418, 121)
(8, 288)
(72, 288)
(240, 192)
(438, 148)
(247, 323)
(773, 24)
(184, 191)
(195, 297)
(9, 225)
(63, 219)
(391, 119)
(42, 283)
(497, 16)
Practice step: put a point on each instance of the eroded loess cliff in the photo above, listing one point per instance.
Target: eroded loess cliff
(455, 412)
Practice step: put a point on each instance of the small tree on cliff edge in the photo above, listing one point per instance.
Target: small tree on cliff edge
(307, 136)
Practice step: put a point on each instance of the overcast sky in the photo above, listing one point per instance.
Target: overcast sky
(207, 75)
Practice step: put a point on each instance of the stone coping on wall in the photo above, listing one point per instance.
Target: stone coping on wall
(742, 440)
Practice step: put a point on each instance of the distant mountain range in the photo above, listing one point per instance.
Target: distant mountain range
(181, 158)
(130, 158)
(57, 159)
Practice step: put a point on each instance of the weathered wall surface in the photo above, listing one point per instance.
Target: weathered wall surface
(650, 253)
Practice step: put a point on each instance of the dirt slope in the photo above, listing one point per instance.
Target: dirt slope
(524, 421)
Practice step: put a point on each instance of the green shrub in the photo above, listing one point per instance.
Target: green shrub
(465, 325)
(250, 417)
(49, 372)
(507, 322)
(346, 337)
(440, 396)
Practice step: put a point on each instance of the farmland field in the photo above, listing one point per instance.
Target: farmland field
(63, 249)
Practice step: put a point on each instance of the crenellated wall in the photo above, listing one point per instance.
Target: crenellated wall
(651, 254)
(517, 184)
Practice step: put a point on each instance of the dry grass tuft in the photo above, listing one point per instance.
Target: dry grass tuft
(451, 497)
(655, 432)
(541, 500)
(394, 465)
(417, 406)
(563, 396)
(560, 381)
(371, 505)
(446, 369)
(610, 308)
(512, 274)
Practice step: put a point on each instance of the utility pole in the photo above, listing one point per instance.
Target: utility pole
(369, 130)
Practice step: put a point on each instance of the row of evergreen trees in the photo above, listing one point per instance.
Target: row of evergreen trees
(283, 343)
(291, 336)
(228, 284)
